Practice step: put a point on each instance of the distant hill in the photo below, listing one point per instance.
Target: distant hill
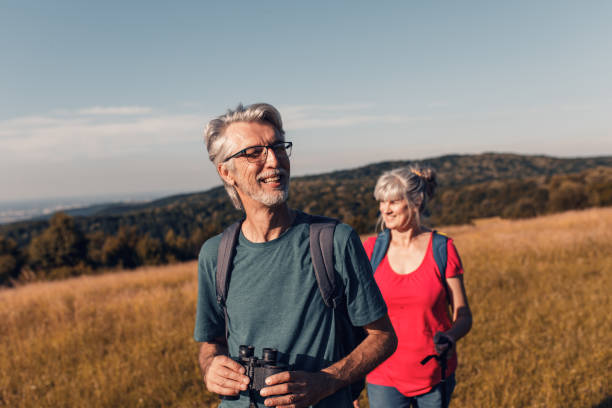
(173, 228)
(340, 193)
(475, 168)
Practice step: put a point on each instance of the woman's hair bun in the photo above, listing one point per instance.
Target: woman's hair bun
(428, 176)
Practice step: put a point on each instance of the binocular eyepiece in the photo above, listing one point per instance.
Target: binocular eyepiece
(247, 353)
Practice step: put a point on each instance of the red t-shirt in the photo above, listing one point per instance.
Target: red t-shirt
(418, 308)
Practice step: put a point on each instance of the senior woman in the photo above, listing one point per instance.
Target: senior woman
(417, 296)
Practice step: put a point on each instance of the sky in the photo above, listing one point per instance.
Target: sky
(111, 98)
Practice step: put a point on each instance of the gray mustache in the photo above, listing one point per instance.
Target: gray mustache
(272, 173)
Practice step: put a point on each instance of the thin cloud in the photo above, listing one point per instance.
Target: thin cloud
(302, 109)
(64, 136)
(344, 121)
(334, 116)
(106, 132)
(115, 110)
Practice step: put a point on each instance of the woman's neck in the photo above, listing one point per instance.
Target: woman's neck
(405, 236)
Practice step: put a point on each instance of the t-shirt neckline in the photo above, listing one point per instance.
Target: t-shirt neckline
(427, 251)
(297, 220)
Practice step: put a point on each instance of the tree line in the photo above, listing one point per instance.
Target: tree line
(68, 246)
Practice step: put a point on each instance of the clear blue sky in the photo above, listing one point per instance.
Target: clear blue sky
(112, 97)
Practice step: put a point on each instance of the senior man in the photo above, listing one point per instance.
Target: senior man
(273, 298)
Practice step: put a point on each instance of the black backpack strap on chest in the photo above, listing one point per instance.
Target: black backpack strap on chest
(439, 246)
(322, 255)
(225, 257)
(380, 248)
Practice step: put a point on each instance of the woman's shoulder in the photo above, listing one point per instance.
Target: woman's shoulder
(368, 244)
(454, 266)
(446, 237)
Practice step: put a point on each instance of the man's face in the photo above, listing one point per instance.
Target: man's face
(264, 181)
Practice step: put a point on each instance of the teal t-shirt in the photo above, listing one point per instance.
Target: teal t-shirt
(274, 301)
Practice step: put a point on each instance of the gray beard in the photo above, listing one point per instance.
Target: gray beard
(271, 199)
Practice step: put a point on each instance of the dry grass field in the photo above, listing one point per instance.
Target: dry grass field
(540, 292)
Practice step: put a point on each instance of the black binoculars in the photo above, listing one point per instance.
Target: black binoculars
(258, 369)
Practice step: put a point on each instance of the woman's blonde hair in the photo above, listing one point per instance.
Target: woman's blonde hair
(415, 184)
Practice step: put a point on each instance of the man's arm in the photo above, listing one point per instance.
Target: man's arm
(295, 389)
(221, 374)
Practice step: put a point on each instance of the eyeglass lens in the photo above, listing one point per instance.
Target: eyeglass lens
(260, 153)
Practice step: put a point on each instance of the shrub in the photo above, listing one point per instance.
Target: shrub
(569, 195)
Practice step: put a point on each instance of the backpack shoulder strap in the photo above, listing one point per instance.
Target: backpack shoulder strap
(380, 248)
(322, 255)
(439, 246)
(225, 256)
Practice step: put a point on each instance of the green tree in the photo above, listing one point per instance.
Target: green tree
(569, 195)
(150, 250)
(10, 260)
(60, 245)
(120, 250)
(95, 244)
(523, 208)
(177, 247)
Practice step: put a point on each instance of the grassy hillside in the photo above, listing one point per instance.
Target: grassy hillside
(539, 290)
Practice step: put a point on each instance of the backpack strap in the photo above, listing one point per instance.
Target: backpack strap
(439, 247)
(322, 255)
(380, 248)
(321, 252)
(225, 256)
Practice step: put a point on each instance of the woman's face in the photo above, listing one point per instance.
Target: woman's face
(397, 214)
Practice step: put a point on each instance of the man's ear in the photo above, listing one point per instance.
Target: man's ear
(225, 174)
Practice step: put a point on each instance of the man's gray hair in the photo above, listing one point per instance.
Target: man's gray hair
(219, 148)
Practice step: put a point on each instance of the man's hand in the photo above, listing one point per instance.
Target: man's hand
(296, 389)
(224, 376)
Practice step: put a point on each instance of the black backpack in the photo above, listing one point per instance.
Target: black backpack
(322, 254)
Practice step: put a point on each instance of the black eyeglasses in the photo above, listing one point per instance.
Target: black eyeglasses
(257, 154)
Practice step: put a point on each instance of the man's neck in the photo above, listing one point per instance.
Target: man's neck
(263, 224)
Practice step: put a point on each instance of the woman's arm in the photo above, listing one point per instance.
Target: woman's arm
(462, 316)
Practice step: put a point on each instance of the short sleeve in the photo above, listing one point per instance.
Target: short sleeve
(210, 320)
(454, 267)
(364, 301)
(368, 246)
